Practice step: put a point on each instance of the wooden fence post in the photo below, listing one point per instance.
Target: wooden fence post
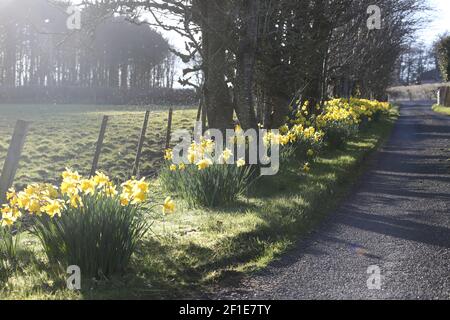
(204, 118)
(199, 110)
(444, 96)
(98, 149)
(141, 144)
(446, 101)
(169, 129)
(12, 158)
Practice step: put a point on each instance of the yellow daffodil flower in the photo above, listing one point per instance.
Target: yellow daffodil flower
(53, 208)
(203, 164)
(101, 179)
(240, 163)
(87, 186)
(168, 154)
(168, 206)
(7, 219)
(226, 155)
(306, 168)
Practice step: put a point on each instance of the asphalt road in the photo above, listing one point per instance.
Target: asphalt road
(397, 218)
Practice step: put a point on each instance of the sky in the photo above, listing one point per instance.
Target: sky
(440, 21)
(438, 16)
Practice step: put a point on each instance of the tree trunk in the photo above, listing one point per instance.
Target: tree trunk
(246, 58)
(219, 107)
(10, 56)
(321, 33)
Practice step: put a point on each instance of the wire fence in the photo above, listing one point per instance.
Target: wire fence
(121, 133)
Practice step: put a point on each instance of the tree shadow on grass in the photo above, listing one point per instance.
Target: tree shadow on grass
(287, 206)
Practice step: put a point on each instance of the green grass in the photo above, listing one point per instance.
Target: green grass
(192, 250)
(65, 136)
(441, 109)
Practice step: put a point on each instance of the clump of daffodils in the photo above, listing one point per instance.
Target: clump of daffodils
(209, 175)
(296, 134)
(47, 199)
(200, 153)
(351, 112)
(336, 120)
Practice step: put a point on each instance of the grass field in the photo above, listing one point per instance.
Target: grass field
(424, 92)
(192, 250)
(65, 136)
(441, 109)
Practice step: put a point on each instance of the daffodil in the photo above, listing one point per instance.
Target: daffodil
(110, 190)
(226, 155)
(191, 157)
(173, 167)
(87, 186)
(124, 199)
(16, 213)
(11, 194)
(168, 154)
(284, 140)
(50, 191)
(240, 163)
(142, 186)
(284, 129)
(75, 201)
(34, 206)
(139, 197)
(127, 186)
(207, 145)
(275, 139)
(101, 179)
(23, 200)
(69, 187)
(204, 163)
(71, 175)
(168, 206)
(306, 167)
(7, 219)
(53, 208)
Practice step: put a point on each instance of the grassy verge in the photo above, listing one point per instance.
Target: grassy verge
(189, 251)
(441, 109)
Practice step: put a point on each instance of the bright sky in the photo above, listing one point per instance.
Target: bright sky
(440, 21)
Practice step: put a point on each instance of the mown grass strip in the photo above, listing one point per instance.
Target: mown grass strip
(441, 109)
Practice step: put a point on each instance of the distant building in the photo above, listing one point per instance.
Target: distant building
(432, 76)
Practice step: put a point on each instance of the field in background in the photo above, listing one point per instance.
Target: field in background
(424, 92)
(63, 136)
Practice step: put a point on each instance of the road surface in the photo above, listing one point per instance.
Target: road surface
(397, 219)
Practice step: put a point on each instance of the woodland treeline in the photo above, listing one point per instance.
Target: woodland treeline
(110, 60)
(254, 58)
(258, 56)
